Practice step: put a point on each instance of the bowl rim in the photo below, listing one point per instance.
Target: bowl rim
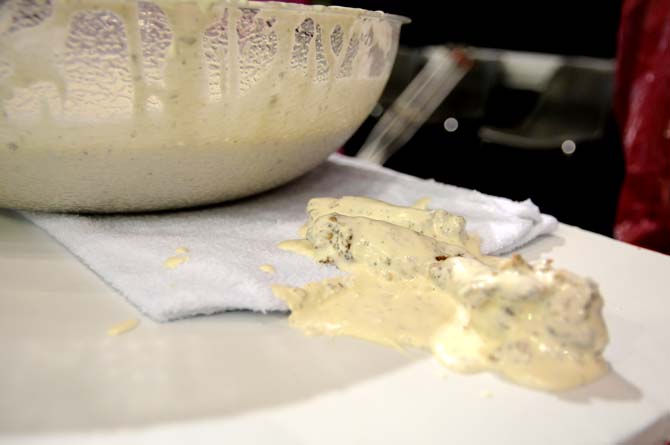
(319, 9)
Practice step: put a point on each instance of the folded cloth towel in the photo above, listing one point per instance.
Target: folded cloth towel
(144, 257)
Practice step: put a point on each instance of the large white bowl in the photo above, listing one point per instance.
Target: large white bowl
(123, 105)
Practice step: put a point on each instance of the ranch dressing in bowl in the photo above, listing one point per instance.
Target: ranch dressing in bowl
(127, 106)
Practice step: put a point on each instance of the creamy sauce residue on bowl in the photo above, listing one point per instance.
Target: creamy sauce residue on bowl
(415, 278)
(110, 105)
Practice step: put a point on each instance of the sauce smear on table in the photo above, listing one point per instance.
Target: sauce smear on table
(415, 278)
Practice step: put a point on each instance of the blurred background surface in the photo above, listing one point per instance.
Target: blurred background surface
(532, 117)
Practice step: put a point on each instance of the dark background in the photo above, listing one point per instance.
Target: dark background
(580, 189)
(585, 27)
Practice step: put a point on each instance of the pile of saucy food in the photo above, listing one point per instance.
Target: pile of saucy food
(415, 278)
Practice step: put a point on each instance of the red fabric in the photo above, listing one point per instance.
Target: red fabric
(642, 106)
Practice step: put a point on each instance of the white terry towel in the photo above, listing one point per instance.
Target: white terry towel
(227, 243)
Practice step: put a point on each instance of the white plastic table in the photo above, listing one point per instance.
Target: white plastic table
(249, 378)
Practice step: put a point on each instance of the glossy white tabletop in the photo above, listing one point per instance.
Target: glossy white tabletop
(250, 378)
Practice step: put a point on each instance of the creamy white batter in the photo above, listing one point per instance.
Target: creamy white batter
(268, 268)
(225, 102)
(416, 279)
(178, 259)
